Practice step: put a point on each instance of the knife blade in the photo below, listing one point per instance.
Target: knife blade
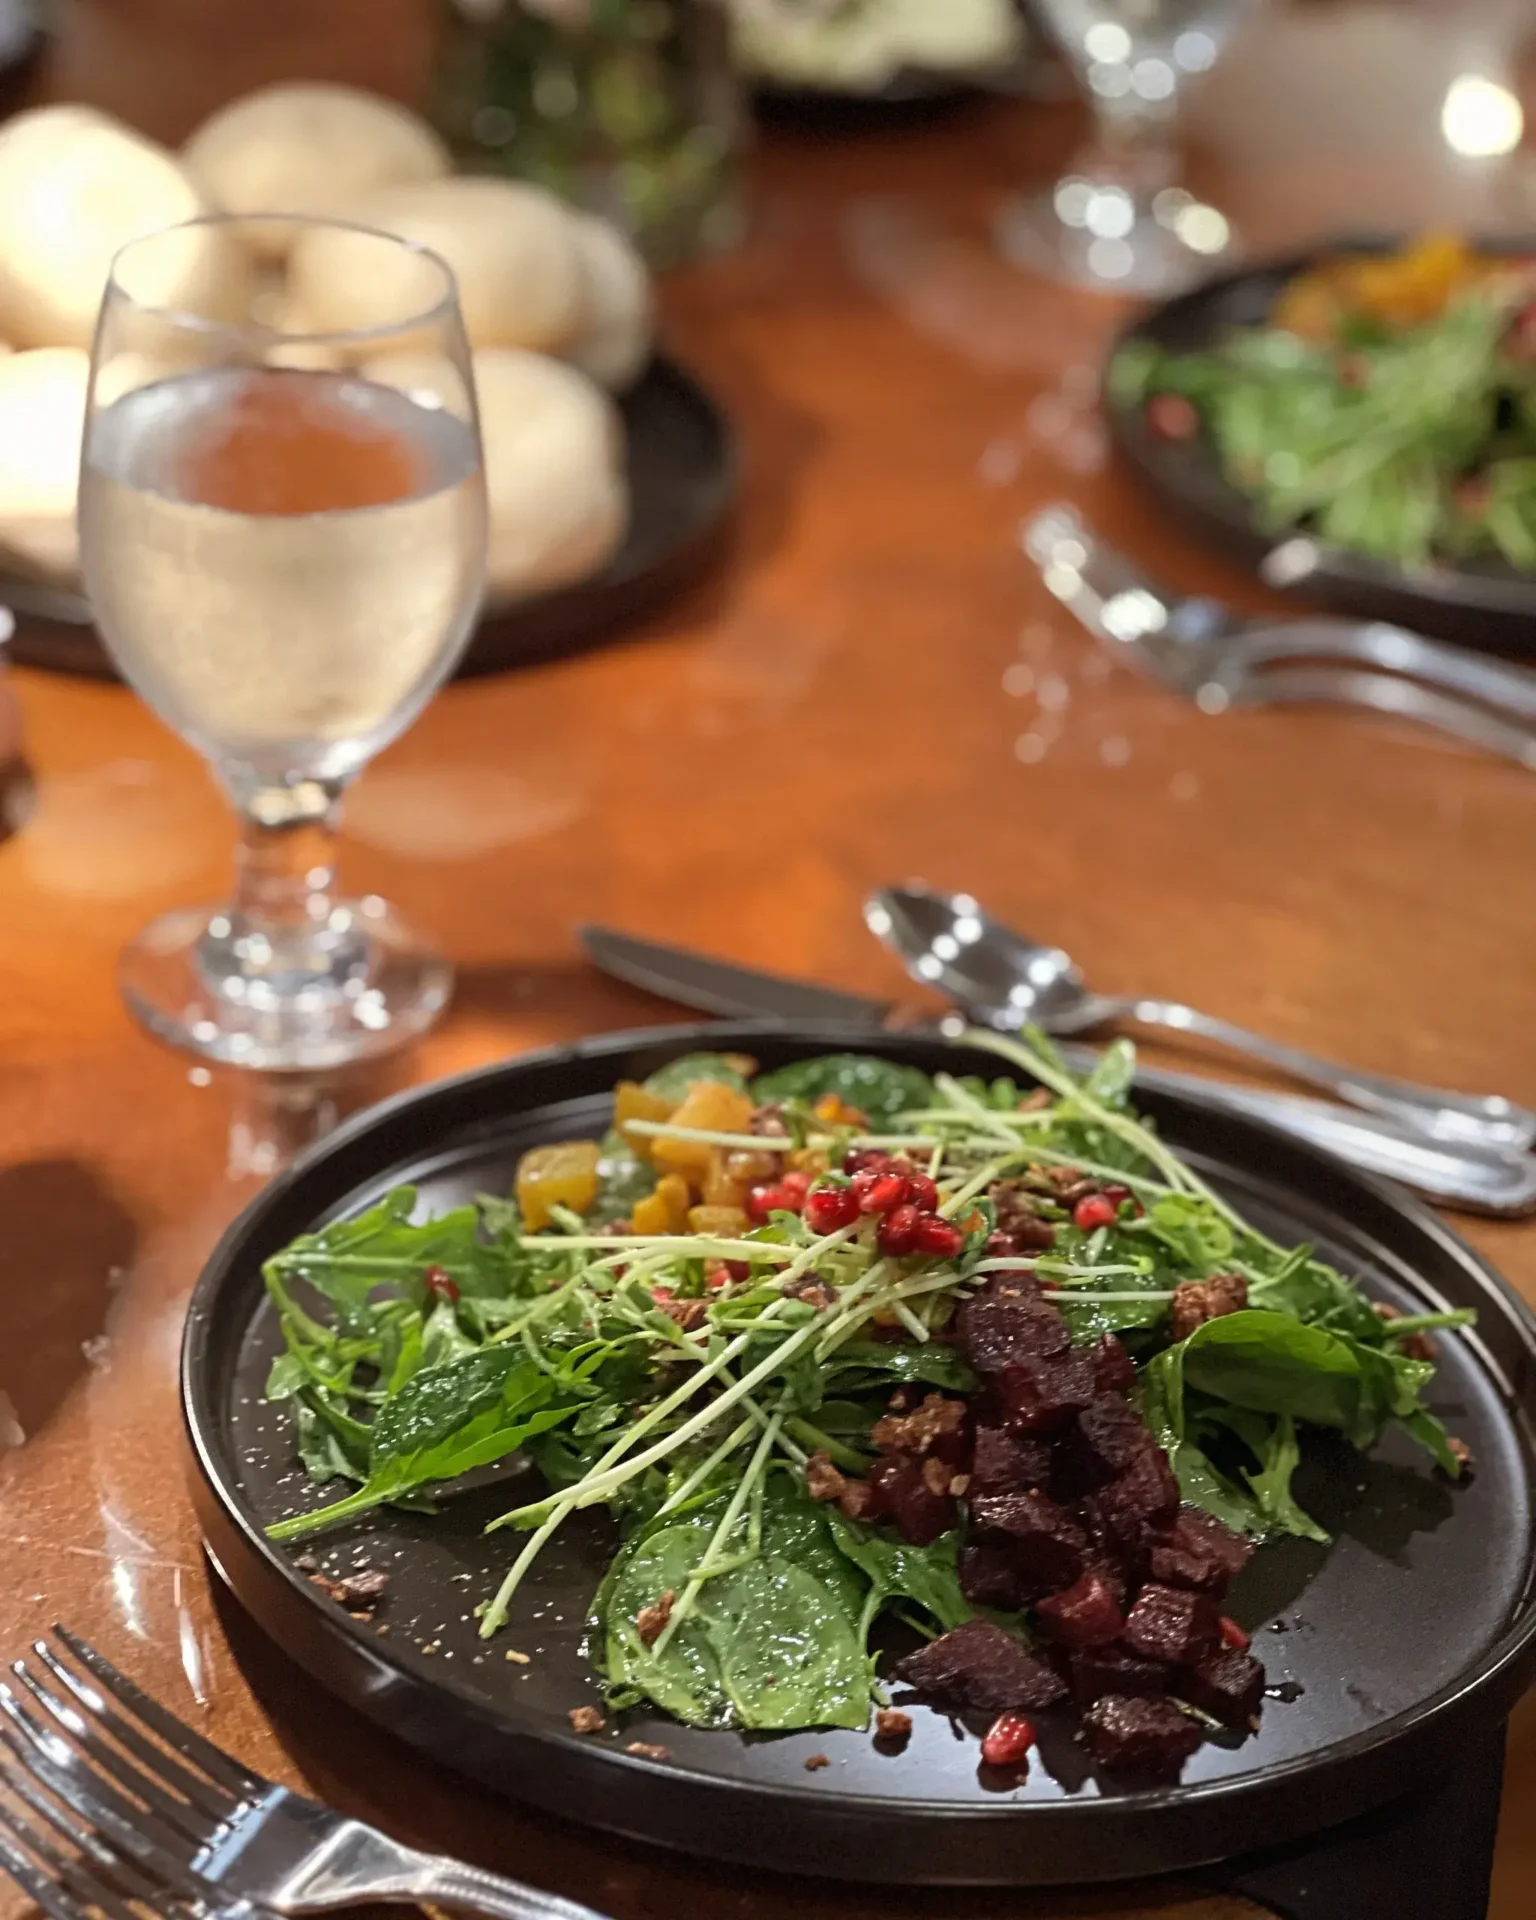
(1481, 1180)
(715, 986)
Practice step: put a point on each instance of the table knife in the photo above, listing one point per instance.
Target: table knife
(1477, 1180)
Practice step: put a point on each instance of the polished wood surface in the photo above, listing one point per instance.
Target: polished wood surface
(872, 685)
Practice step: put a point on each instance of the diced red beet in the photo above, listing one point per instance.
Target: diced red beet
(1106, 1438)
(1200, 1553)
(1048, 1544)
(981, 1669)
(1085, 1614)
(1228, 1685)
(1004, 1462)
(1168, 1623)
(1006, 1324)
(990, 1575)
(1042, 1392)
(899, 1492)
(1113, 1369)
(1149, 1737)
(1096, 1671)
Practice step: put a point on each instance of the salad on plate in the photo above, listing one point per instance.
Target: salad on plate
(898, 1387)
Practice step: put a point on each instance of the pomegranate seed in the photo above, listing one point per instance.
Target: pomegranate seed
(1008, 1741)
(898, 1230)
(884, 1192)
(739, 1269)
(922, 1192)
(716, 1277)
(796, 1185)
(829, 1208)
(865, 1160)
(1094, 1210)
(1172, 417)
(762, 1201)
(1232, 1635)
(938, 1236)
(663, 1296)
(441, 1284)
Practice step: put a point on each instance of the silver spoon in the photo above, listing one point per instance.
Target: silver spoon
(1003, 979)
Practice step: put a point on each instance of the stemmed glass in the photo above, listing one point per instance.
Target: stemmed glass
(282, 533)
(1119, 220)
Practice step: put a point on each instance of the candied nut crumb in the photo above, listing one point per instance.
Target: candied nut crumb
(935, 1475)
(959, 1483)
(1463, 1455)
(1037, 1101)
(688, 1314)
(854, 1501)
(822, 1479)
(518, 1659)
(937, 1418)
(650, 1621)
(815, 1293)
(358, 1592)
(306, 1563)
(1196, 1301)
(816, 1762)
(892, 1724)
(1384, 1310)
(649, 1750)
(586, 1720)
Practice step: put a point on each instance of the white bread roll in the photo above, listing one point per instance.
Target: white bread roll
(74, 187)
(308, 147)
(613, 337)
(559, 501)
(42, 420)
(510, 247)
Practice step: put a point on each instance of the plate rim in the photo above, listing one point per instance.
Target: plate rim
(1502, 1670)
(1507, 597)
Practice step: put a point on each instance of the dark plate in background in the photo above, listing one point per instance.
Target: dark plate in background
(1484, 604)
(683, 477)
(1412, 1637)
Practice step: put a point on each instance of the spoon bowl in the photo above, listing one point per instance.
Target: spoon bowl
(1001, 978)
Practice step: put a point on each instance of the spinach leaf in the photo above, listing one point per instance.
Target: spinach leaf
(881, 1089)
(443, 1422)
(672, 1081)
(896, 1570)
(623, 1180)
(1315, 1293)
(771, 1644)
(858, 1363)
(1277, 1364)
(1201, 1482)
(684, 1678)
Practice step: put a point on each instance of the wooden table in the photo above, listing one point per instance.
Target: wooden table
(872, 685)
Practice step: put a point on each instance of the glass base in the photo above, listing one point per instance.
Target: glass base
(193, 979)
(1107, 235)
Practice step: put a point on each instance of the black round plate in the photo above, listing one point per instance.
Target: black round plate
(1483, 604)
(1412, 1635)
(683, 477)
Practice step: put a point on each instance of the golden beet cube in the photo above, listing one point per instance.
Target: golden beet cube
(563, 1175)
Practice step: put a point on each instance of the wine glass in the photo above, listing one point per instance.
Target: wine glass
(1120, 221)
(282, 533)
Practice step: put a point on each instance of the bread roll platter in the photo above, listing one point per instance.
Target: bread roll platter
(609, 469)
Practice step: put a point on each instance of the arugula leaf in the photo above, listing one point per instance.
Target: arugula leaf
(881, 1089)
(1115, 1069)
(860, 1362)
(443, 1422)
(1192, 1229)
(1272, 1483)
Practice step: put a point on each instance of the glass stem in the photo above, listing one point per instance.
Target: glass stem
(282, 931)
(1136, 150)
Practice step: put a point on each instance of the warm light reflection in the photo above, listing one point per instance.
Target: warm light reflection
(1481, 119)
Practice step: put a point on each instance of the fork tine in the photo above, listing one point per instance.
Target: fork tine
(129, 1829)
(214, 1761)
(213, 1799)
(74, 1874)
(37, 1886)
(116, 1766)
(86, 1839)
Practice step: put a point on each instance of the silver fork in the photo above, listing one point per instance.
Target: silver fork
(186, 1816)
(1200, 648)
